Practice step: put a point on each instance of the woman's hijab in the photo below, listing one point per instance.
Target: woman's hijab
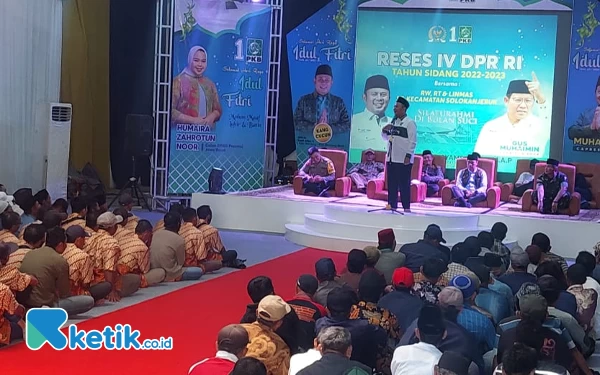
(188, 69)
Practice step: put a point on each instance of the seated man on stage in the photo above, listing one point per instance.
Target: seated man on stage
(471, 184)
(525, 181)
(318, 174)
(364, 172)
(432, 174)
(552, 186)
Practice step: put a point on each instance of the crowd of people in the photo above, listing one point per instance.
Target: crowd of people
(77, 260)
(423, 308)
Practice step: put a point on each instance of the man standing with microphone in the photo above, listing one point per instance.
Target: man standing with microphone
(401, 136)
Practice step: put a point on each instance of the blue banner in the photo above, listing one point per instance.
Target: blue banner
(534, 5)
(220, 82)
(582, 124)
(475, 82)
(321, 57)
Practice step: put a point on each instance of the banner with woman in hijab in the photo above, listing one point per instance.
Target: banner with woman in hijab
(219, 94)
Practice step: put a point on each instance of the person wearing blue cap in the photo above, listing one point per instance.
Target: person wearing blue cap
(552, 187)
(366, 125)
(518, 133)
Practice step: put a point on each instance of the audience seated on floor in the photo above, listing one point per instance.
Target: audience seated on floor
(307, 310)
(390, 258)
(126, 202)
(428, 247)
(34, 238)
(328, 280)
(231, 346)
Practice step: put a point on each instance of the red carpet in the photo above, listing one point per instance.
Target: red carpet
(192, 316)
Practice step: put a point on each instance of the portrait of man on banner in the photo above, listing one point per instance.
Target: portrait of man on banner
(367, 125)
(195, 96)
(587, 124)
(321, 112)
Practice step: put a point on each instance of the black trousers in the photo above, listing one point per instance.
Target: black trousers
(398, 175)
(520, 190)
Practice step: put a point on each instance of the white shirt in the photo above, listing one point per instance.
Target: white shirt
(524, 178)
(366, 131)
(300, 361)
(416, 359)
(399, 147)
(527, 139)
(591, 283)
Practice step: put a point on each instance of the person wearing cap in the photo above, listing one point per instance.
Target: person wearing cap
(308, 311)
(518, 133)
(552, 187)
(366, 171)
(369, 341)
(35, 236)
(290, 329)
(11, 222)
(321, 106)
(471, 184)
(519, 260)
(401, 138)
(126, 201)
(542, 241)
(452, 363)
(428, 288)
(479, 325)
(432, 174)
(429, 247)
(550, 290)
(265, 345)
(318, 174)
(167, 251)
(390, 259)
(422, 357)
(231, 346)
(328, 280)
(52, 271)
(400, 301)
(79, 209)
(366, 125)
(487, 299)
(105, 252)
(334, 347)
(548, 342)
(357, 261)
(525, 180)
(587, 124)
(373, 255)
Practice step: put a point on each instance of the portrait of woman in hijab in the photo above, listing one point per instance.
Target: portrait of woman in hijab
(195, 97)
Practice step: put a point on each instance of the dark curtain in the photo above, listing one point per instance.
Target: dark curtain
(294, 13)
(132, 29)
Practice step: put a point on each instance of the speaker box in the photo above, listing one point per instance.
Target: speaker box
(139, 134)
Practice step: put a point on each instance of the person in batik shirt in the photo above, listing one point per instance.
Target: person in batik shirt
(79, 209)
(196, 251)
(429, 288)
(11, 276)
(126, 202)
(34, 235)
(11, 317)
(11, 222)
(175, 208)
(366, 171)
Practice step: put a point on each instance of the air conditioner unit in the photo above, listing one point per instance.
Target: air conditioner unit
(59, 141)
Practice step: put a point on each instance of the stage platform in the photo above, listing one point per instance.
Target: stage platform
(342, 224)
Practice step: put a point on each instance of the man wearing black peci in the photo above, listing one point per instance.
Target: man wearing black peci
(401, 136)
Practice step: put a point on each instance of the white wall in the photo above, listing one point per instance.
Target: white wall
(30, 71)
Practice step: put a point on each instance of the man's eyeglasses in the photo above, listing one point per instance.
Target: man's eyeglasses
(527, 101)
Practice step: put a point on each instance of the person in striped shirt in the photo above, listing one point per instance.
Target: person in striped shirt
(196, 249)
(175, 208)
(126, 202)
(34, 236)
(79, 210)
(212, 239)
(11, 222)
(10, 330)
(123, 230)
(135, 256)
(20, 283)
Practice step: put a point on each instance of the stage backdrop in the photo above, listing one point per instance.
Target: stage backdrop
(582, 124)
(455, 70)
(220, 71)
(326, 38)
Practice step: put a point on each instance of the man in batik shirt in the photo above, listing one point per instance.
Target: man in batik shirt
(135, 256)
(123, 230)
(79, 209)
(175, 208)
(366, 171)
(81, 267)
(212, 239)
(11, 222)
(552, 189)
(12, 329)
(428, 288)
(34, 235)
(432, 174)
(126, 202)
(11, 276)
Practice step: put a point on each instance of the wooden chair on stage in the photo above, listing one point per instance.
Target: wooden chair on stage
(378, 189)
(493, 191)
(506, 194)
(340, 161)
(344, 185)
(574, 205)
